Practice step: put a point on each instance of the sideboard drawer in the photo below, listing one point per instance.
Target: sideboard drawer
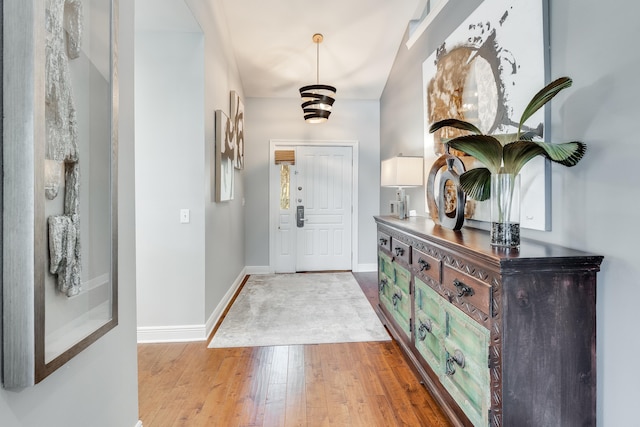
(401, 251)
(385, 265)
(429, 325)
(401, 309)
(403, 278)
(384, 240)
(397, 303)
(385, 290)
(425, 265)
(466, 373)
(394, 285)
(467, 288)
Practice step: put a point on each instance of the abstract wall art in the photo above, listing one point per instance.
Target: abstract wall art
(60, 222)
(486, 72)
(224, 157)
(237, 121)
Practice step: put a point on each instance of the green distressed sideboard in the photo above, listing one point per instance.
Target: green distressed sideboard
(500, 338)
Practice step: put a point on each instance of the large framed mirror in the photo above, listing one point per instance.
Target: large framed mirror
(60, 138)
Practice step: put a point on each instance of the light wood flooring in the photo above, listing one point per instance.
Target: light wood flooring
(353, 384)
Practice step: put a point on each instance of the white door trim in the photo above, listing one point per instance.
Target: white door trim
(273, 220)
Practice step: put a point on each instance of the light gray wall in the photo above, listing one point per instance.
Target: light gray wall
(185, 71)
(350, 120)
(595, 204)
(401, 112)
(224, 232)
(99, 386)
(170, 164)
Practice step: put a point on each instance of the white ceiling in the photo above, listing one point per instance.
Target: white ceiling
(274, 51)
(272, 41)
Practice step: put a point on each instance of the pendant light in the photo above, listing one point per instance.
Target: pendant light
(317, 99)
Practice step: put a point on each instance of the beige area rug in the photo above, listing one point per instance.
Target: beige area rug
(307, 308)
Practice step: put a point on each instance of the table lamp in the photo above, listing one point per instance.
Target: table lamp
(401, 172)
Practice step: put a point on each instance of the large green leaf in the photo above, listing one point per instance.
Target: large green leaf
(509, 152)
(486, 149)
(567, 153)
(508, 138)
(476, 183)
(518, 153)
(542, 97)
(505, 138)
(454, 123)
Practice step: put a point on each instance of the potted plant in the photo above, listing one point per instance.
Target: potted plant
(503, 157)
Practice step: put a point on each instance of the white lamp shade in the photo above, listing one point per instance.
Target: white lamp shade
(402, 172)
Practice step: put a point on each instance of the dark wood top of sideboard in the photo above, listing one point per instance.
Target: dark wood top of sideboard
(477, 243)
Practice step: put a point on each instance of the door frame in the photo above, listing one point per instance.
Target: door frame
(273, 217)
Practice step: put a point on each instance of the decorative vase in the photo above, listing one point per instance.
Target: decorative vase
(505, 210)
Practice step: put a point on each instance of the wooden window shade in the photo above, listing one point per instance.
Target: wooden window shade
(286, 157)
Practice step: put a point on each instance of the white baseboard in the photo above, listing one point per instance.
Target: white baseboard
(182, 333)
(364, 268)
(258, 269)
(189, 333)
(265, 269)
(217, 313)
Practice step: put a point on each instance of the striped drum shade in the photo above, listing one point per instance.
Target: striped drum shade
(317, 99)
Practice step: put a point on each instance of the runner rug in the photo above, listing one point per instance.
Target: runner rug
(303, 308)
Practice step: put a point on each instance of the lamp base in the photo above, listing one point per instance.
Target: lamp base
(400, 207)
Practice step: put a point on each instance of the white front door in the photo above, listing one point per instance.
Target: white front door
(314, 230)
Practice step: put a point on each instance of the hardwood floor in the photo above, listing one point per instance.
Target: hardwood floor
(353, 384)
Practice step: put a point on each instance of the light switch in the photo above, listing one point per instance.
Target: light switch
(184, 216)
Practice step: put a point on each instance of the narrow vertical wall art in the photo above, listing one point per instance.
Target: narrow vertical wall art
(237, 121)
(59, 220)
(224, 157)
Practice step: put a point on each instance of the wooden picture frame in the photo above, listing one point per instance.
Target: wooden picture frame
(59, 222)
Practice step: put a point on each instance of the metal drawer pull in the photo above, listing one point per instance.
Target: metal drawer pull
(458, 359)
(396, 298)
(399, 251)
(424, 329)
(463, 289)
(383, 241)
(424, 265)
(383, 283)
